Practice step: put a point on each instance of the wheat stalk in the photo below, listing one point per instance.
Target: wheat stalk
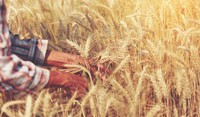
(46, 105)
(5, 108)
(137, 92)
(70, 102)
(28, 112)
(122, 63)
(88, 46)
(75, 45)
(124, 92)
(86, 98)
(162, 83)
(37, 103)
(155, 109)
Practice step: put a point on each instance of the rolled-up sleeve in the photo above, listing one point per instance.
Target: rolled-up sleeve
(40, 52)
(32, 49)
(16, 75)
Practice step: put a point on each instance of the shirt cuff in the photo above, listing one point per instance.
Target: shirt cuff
(40, 80)
(40, 53)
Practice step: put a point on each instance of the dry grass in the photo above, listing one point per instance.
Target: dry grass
(154, 46)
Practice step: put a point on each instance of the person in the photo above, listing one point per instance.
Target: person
(19, 74)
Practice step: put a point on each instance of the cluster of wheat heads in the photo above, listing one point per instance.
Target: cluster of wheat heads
(152, 45)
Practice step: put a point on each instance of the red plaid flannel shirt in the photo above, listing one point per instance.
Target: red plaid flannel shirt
(18, 76)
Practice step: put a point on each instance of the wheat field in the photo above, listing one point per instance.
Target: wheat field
(151, 46)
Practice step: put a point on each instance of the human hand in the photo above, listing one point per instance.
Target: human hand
(100, 70)
(69, 82)
(61, 59)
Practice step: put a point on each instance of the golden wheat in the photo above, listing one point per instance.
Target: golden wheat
(151, 46)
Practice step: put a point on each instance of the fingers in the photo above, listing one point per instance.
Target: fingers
(77, 83)
(69, 82)
(101, 71)
(80, 91)
(80, 80)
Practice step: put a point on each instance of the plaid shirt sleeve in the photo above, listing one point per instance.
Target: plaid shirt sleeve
(17, 76)
(29, 49)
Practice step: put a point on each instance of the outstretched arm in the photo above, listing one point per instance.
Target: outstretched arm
(56, 58)
(18, 76)
(35, 50)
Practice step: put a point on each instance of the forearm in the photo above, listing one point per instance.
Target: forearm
(35, 50)
(67, 81)
(58, 79)
(56, 58)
